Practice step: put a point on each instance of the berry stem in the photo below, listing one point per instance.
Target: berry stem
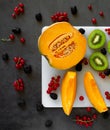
(86, 121)
(5, 40)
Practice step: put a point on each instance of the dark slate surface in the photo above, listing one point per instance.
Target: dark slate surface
(11, 116)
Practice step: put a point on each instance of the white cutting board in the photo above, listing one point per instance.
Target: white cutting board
(48, 72)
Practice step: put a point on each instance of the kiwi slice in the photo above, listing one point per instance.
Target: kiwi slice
(98, 61)
(96, 39)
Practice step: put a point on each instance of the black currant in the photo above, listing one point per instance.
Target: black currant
(54, 96)
(106, 115)
(39, 107)
(38, 17)
(81, 30)
(21, 103)
(27, 69)
(78, 67)
(5, 57)
(107, 72)
(16, 30)
(103, 51)
(74, 10)
(48, 123)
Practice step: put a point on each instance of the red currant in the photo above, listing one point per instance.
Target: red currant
(88, 109)
(102, 76)
(16, 10)
(21, 10)
(90, 7)
(94, 21)
(94, 116)
(13, 15)
(101, 13)
(65, 14)
(22, 40)
(108, 32)
(106, 93)
(21, 5)
(15, 59)
(11, 37)
(81, 98)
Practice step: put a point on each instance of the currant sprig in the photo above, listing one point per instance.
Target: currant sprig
(53, 84)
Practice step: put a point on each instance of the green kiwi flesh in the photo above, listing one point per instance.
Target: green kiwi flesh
(98, 61)
(96, 39)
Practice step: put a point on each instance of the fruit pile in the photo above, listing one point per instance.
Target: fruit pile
(97, 60)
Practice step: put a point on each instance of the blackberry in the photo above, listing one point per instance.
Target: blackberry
(81, 30)
(38, 17)
(48, 123)
(103, 51)
(16, 30)
(27, 69)
(106, 115)
(107, 72)
(74, 10)
(78, 67)
(54, 96)
(39, 107)
(5, 57)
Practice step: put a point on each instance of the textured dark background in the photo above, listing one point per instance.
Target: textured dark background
(11, 116)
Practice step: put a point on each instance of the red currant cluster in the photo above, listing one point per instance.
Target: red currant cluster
(19, 62)
(102, 75)
(19, 9)
(85, 120)
(53, 84)
(59, 16)
(107, 30)
(107, 94)
(19, 85)
(85, 61)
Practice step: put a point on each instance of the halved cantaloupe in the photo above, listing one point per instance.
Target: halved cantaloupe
(63, 45)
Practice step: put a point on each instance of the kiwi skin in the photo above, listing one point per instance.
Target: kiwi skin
(98, 61)
(100, 36)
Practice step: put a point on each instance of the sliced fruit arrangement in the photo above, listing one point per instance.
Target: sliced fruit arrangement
(93, 93)
(96, 39)
(60, 43)
(98, 61)
(68, 91)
